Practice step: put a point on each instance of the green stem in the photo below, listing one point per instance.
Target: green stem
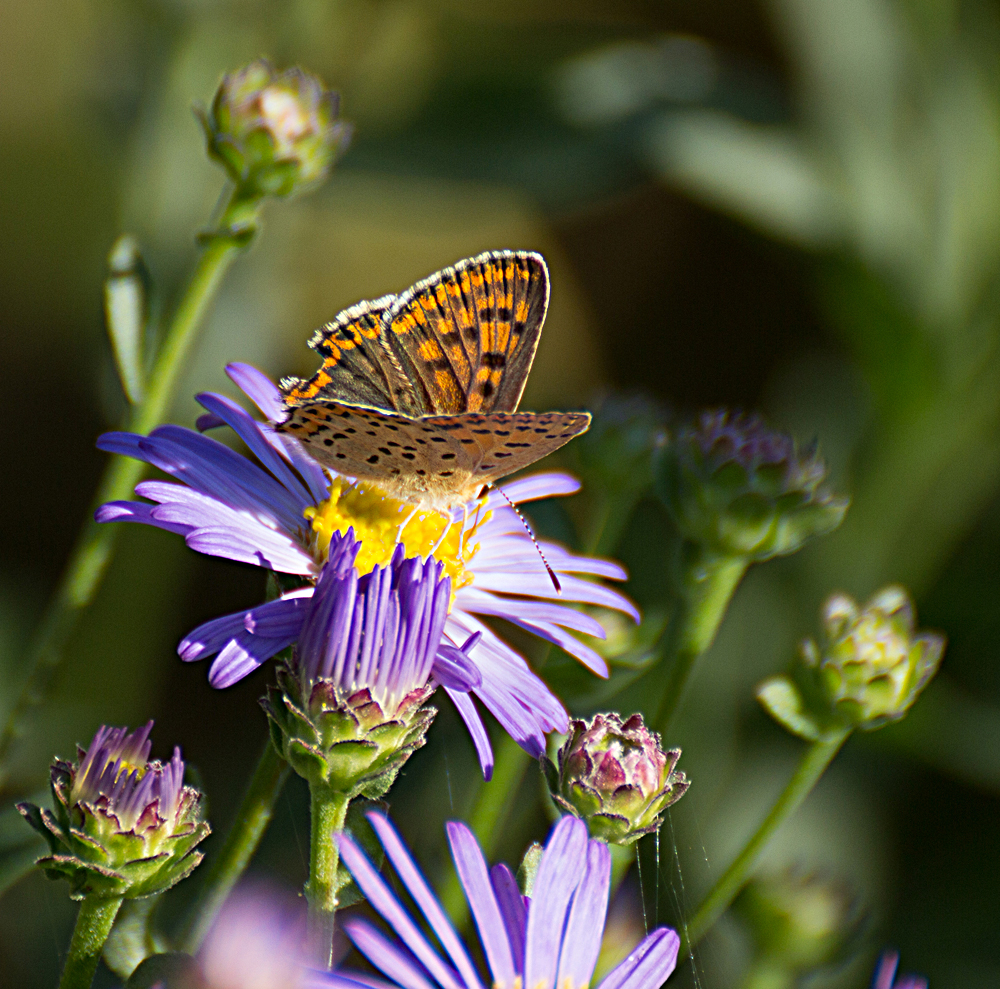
(767, 973)
(251, 821)
(95, 544)
(706, 585)
(328, 813)
(622, 857)
(817, 757)
(489, 815)
(93, 925)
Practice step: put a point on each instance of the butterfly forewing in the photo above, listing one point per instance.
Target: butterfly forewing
(467, 335)
(358, 365)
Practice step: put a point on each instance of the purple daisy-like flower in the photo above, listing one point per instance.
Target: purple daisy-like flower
(350, 708)
(281, 511)
(548, 940)
(885, 975)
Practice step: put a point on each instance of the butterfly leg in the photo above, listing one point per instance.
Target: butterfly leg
(444, 532)
(461, 532)
(405, 523)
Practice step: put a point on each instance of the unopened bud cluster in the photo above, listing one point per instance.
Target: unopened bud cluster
(615, 776)
(739, 489)
(275, 133)
(867, 668)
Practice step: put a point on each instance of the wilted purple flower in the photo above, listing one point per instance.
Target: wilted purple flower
(281, 512)
(549, 939)
(369, 655)
(616, 777)
(885, 975)
(121, 825)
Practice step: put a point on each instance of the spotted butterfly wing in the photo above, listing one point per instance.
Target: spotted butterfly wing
(462, 340)
(467, 335)
(358, 365)
(435, 461)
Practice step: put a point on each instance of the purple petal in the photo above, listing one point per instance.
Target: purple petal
(259, 388)
(472, 871)
(547, 485)
(580, 947)
(389, 958)
(558, 876)
(270, 550)
(511, 904)
(241, 656)
(649, 965)
(341, 979)
(250, 431)
(480, 739)
(136, 511)
(453, 668)
(382, 900)
(417, 887)
(484, 603)
(208, 421)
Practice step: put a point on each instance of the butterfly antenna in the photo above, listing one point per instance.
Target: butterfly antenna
(527, 529)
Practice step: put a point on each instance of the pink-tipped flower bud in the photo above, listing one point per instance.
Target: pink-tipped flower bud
(615, 776)
(275, 133)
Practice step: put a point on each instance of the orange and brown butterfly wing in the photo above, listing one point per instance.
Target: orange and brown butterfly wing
(466, 337)
(358, 365)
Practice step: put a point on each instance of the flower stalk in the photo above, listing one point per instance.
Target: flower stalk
(811, 767)
(93, 925)
(251, 821)
(706, 583)
(328, 811)
(95, 545)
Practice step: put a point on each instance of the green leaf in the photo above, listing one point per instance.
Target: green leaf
(125, 314)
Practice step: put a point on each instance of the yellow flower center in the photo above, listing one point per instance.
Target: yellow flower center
(381, 523)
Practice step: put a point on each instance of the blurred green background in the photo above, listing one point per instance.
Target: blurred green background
(786, 205)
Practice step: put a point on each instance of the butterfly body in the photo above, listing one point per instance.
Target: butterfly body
(418, 392)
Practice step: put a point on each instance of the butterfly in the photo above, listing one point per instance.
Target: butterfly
(418, 392)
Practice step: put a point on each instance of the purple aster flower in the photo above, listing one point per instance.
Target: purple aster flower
(281, 511)
(546, 940)
(369, 655)
(885, 975)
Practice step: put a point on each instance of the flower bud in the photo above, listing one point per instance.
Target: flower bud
(867, 669)
(121, 825)
(739, 489)
(615, 776)
(800, 921)
(275, 133)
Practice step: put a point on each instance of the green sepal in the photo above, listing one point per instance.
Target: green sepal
(170, 970)
(783, 700)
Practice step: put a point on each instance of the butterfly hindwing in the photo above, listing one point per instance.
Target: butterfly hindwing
(467, 335)
(358, 365)
(448, 458)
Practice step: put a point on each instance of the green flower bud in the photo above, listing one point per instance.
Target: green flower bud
(275, 133)
(866, 670)
(739, 489)
(120, 825)
(615, 776)
(800, 921)
(351, 744)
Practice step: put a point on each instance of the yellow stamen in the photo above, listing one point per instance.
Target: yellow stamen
(378, 523)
